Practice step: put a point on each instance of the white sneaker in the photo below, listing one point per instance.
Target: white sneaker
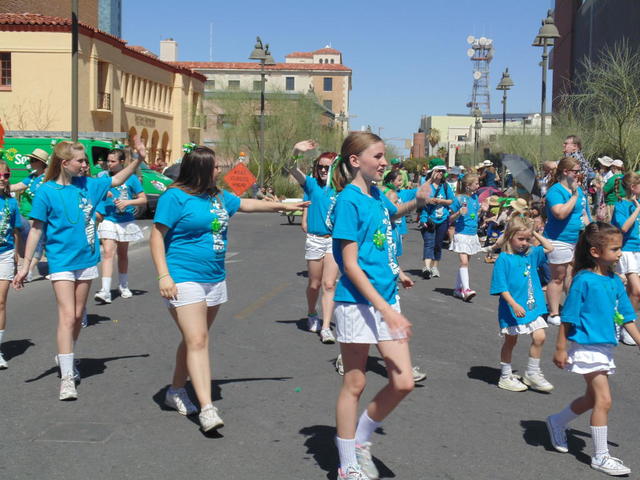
(102, 296)
(125, 292)
(352, 472)
(626, 338)
(179, 400)
(313, 323)
(418, 375)
(3, 363)
(458, 293)
(326, 336)
(554, 320)
(209, 418)
(536, 381)
(68, 388)
(365, 460)
(558, 435)
(512, 383)
(468, 294)
(435, 273)
(610, 465)
(76, 372)
(339, 365)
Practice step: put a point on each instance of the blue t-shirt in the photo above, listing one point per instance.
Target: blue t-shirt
(517, 274)
(32, 182)
(196, 242)
(318, 222)
(366, 220)
(127, 191)
(405, 196)
(569, 229)
(69, 214)
(437, 213)
(10, 219)
(467, 224)
(490, 179)
(591, 305)
(631, 238)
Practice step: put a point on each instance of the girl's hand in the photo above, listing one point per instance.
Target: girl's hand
(294, 207)
(464, 211)
(423, 194)
(304, 146)
(121, 204)
(399, 326)
(18, 279)
(635, 202)
(519, 311)
(406, 280)
(168, 288)
(139, 147)
(560, 358)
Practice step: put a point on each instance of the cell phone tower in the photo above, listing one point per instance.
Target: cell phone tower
(480, 53)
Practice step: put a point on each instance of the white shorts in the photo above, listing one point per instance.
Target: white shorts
(562, 252)
(7, 265)
(525, 329)
(590, 358)
(195, 292)
(315, 247)
(73, 275)
(469, 244)
(120, 232)
(360, 323)
(629, 263)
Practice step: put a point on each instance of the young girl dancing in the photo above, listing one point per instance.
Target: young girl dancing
(596, 302)
(466, 209)
(10, 224)
(367, 310)
(522, 303)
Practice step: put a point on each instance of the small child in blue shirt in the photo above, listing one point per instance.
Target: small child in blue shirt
(596, 303)
(522, 303)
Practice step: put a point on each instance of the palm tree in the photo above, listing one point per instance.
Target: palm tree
(433, 137)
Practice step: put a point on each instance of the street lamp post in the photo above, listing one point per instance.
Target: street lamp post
(262, 54)
(476, 142)
(546, 37)
(505, 84)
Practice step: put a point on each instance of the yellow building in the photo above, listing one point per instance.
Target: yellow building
(122, 89)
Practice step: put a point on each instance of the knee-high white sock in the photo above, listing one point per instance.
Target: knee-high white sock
(366, 427)
(66, 364)
(458, 281)
(106, 284)
(599, 436)
(464, 277)
(123, 280)
(1, 334)
(505, 370)
(533, 365)
(346, 452)
(565, 416)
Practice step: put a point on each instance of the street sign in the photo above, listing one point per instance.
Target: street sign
(239, 179)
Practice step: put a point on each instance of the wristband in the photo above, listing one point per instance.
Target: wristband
(160, 277)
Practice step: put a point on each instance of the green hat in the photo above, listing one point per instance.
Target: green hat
(395, 161)
(434, 162)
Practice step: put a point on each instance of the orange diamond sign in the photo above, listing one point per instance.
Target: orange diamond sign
(239, 179)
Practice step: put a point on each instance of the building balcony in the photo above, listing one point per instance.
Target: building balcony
(103, 103)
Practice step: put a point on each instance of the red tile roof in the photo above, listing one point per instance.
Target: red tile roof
(300, 55)
(33, 22)
(327, 50)
(256, 66)
(141, 49)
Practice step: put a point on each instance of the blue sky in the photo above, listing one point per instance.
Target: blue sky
(408, 57)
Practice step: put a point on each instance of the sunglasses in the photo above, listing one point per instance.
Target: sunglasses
(324, 167)
(6, 176)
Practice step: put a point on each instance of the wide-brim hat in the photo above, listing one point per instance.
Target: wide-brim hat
(605, 161)
(439, 167)
(454, 171)
(487, 163)
(520, 205)
(494, 201)
(617, 163)
(39, 154)
(434, 162)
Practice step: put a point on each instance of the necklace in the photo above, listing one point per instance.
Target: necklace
(5, 223)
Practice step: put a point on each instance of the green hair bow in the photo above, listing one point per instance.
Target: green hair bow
(188, 147)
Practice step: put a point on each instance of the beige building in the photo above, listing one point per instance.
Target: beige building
(122, 89)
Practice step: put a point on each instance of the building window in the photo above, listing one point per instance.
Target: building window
(328, 84)
(290, 83)
(462, 138)
(328, 104)
(209, 85)
(104, 93)
(257, 84)
(5, 69)
(332, 60)
(234, 84)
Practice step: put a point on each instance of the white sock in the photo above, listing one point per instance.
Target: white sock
(599, 436)
(123, 280)
(565, 416)
(366, 427)
(464, 277)
(458, 281)
(533, 365)
(1, 334)
(106, 284)
(505, 370)
(346, 452)
(66, 364)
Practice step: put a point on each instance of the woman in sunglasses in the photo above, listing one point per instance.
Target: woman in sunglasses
(66, 206)
(567, 215)
(316, 223)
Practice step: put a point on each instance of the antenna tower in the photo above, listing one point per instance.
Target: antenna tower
(480, 52)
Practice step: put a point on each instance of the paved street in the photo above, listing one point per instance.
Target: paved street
(276, 387)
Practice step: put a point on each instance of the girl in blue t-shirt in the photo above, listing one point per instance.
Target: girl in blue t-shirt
(367, 310)
(66, 207)
(118, 227)
(596, 303)
(465, 212)
(10, 224)
(188, 245)
(322, 268)
(522, 303)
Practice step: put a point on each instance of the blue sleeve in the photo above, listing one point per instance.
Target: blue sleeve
(624, 304)
(620, 214)
(98, 188)
(135, 184)
(571, 308)
(231, 203)
(169, 208)
(408, 195)
(27, 180)
(41, 205)
(345, 224)
(16, 218)
(455, 206)
(554, 197)
(500, 277)
(309, 185)
(102, 208)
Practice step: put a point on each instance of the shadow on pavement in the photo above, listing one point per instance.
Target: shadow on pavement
(444, 291)
(416, 272)
(490, 375)
(134, 292)
(15, 348)
(536, 434)
(94, 319)
(88, 367)
(301, 324)
(303, 273)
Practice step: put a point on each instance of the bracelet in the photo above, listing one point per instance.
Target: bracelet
(295, 158)
(160, 277)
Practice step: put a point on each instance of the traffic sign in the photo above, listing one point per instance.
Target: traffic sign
(239, 179)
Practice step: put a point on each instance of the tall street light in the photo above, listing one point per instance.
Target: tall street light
(262, 54)
(505, 84)
(477, 114)
(546, 37)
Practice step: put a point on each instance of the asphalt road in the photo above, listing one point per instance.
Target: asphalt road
(276, 387)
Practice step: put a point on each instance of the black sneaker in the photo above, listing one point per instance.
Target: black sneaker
(426, 273)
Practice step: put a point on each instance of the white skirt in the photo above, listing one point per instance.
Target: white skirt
(469, 244)
(120, 232)
(525, 329)
(629, 263)
(7, 265)
(562, 252)
(590, 358)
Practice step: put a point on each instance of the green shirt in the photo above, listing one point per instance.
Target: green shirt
(612, 192)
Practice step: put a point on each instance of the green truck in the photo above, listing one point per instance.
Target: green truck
(17, 145)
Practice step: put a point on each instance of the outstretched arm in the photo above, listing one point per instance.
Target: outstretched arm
(121, 177)
(250, 205)
(299, 149)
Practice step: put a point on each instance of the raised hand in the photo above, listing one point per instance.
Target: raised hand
(304, 146)
(139, 147)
